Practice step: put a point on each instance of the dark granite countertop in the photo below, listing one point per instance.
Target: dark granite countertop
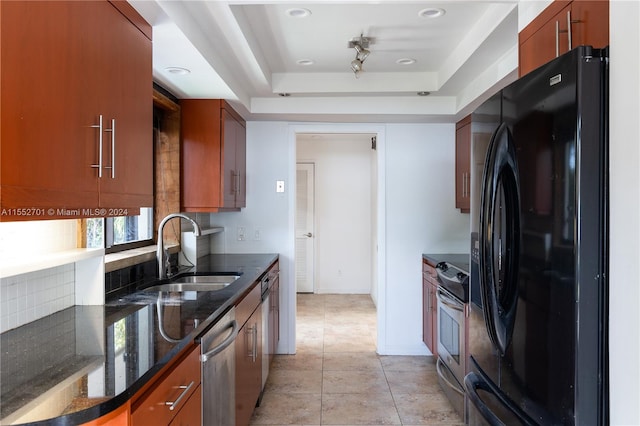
(86, 361)
(460, 261)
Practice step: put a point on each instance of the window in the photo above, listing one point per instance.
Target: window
(121, 232)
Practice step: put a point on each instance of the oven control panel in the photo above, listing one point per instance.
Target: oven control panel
(451, 272)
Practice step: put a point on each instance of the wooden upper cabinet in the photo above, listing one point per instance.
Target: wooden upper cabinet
(463, 164)
(561, 27)
(213, 156)
(65, 64)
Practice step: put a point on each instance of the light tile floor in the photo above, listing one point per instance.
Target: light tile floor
(336, 377)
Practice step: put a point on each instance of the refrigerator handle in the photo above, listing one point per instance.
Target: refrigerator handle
(499, 302)
(473, 382)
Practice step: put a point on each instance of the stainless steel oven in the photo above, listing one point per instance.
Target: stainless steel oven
(452, 296)
(451, 347)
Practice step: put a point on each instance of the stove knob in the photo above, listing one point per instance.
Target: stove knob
(442, 266)
(461, 276)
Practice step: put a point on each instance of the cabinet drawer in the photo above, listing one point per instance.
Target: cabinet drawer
(164, 400)
(248, 304)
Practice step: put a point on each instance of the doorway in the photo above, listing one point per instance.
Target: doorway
(304, 227)
(343, 217)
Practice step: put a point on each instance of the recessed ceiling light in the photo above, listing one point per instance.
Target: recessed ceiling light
(298, 12)
(305, 62)
(423, 93)
(431, 12)
(177, 70)
(406, 61)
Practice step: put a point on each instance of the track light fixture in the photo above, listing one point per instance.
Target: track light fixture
(360, 45)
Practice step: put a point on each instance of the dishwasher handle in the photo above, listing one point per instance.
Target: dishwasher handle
(233, 325)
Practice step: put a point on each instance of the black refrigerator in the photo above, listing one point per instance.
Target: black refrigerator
(539, 256)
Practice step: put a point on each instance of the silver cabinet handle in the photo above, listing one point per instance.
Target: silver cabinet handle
(569, 27)
(113, 148)
(255, 342)
(253, 335)
(173, 404)
(238, 183)
(99, 127)
(557, 39)
(308, 234)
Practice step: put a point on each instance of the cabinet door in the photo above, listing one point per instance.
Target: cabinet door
(168, 396)
(590, 23)
(241, 165)
(230, 176)
(248, 367)
(72, 63)
(191, 413)
(427, 326)
(48, 107)
(128, 114)
(463, 165)
(213, 156)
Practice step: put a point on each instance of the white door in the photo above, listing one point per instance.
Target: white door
(304, 227)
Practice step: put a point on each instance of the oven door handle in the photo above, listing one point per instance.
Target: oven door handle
(439, 365)
(449, 302)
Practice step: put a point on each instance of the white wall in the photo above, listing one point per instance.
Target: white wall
(343, 214)
(416, 208)
(420, 218)
(624, 291)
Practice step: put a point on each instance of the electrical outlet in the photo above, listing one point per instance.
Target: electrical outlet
(279, 186)
(257, 234)
(241, 233)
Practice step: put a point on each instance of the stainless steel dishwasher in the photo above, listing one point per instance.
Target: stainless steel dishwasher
(218, 363)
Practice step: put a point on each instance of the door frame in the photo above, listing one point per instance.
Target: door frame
(313, 228)
(289, 294)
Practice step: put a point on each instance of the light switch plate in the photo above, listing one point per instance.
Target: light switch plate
(279, 186)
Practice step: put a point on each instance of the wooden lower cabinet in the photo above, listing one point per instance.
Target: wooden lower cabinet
(429, 307)
(191, 412)
(248, 367)
(175, 396)
(274, 310)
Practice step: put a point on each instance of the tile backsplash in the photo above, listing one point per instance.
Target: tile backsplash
(28, 297)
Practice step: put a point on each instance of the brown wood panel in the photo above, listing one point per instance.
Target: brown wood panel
(167, 165)
(213, 156)
(48, 146)
(248, 367)
(248, 304)
(543, 18)
(590, 23)
(589, 26)
(47, 142)
(429, 307)
(151, 408)
(128, 99)
(463, 165)
(201, 162)
(133, 16)
(191, 413)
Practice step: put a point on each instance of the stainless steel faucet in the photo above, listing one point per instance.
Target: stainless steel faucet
(161, 254)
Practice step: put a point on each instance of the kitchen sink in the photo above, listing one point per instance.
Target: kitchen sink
(182, 287)
(195, 283)
(207, 279)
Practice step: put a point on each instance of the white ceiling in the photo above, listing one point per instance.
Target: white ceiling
(247, 51)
